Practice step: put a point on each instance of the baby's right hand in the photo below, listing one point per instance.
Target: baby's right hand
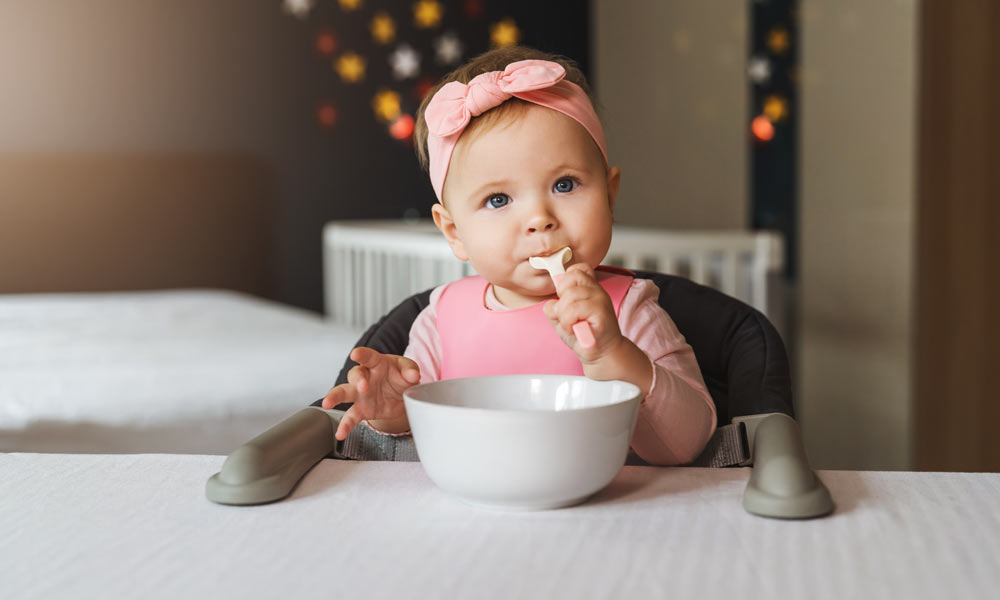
(375, 386)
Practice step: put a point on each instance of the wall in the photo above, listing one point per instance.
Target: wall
(152, 91)
(678, 132)
(671, 79)
(234, 81)
(857, 204)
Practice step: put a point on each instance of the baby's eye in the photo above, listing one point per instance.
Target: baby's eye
(497, 200)
(564, 185)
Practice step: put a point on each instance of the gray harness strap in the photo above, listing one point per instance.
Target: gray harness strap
(365, 444)
(727, 447)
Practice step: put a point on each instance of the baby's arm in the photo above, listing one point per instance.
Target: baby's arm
(677, 415)
(375, 386)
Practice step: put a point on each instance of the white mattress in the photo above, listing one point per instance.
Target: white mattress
(180, 371)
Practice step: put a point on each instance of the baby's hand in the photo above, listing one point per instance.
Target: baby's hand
(375, 386)
(581, 298)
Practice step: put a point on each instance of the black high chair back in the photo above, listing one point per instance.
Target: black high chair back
(741, 356)
(742, 359)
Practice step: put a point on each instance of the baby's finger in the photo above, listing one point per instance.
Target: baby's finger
(408, 369)
(575, 278)
(583, 268)
(576, 293)
(347, 423)
(366, 357)
(550, 310)
(338, 395)
(359, 376)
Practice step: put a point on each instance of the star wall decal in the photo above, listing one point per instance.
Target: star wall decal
(299, 8)
(405, 62)
(325, 43)
(504, 33)
(350, 67)
(383, 28)
(776, 108)
(386, 105)
(777, 40)
(448, 49)
(759, 69)
(427, 13)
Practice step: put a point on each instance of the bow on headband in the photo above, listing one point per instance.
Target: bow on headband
(537, 81)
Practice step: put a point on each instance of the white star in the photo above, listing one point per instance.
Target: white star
(299, 8)
(448, 49)
(405, 62)
(759, 69)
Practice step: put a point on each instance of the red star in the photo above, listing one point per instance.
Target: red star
(402, 128)
(325, 43)
(423, 86)
(473, 9)
(326, 115)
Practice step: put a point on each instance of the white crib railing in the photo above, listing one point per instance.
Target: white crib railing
(370, 266)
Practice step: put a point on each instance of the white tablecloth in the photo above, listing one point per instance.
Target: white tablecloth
(139, 526)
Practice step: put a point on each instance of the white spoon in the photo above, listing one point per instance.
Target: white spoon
(554, 264)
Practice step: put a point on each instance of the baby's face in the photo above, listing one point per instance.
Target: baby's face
(523, 188)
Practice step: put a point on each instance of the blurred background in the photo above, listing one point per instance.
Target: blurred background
(152, 144)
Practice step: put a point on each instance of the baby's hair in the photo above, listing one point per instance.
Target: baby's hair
(494, 60)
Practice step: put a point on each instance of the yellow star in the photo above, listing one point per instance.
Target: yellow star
(386, 105)
(383, 27)
(776, 108)
(349, 5)
(351, 67)
(504, 33)
(427, 13)
(777, 40)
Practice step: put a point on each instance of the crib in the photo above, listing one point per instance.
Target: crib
(370, 266)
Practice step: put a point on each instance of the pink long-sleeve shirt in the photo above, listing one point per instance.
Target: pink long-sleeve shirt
(677, 416)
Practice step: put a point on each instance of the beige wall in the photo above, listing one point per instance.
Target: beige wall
(857, 201)
(670, 77)
(679, 134)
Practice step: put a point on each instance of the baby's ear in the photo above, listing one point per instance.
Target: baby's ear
(614, 180)
(444, 222)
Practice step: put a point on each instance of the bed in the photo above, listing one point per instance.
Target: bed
(174, 371)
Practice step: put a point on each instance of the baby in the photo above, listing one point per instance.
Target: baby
(517, 159)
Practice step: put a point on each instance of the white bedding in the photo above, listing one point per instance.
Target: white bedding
(180, 371)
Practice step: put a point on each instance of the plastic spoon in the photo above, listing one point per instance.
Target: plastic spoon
(554, 264)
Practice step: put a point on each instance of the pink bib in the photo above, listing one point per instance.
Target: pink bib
(477, 341)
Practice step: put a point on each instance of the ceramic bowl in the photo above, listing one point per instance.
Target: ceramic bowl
(522, 442)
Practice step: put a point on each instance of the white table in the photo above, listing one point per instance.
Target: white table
(139, 526)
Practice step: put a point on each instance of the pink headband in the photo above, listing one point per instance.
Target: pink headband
(537, 81)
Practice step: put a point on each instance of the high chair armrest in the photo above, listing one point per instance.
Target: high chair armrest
(782, 483)
(266, 468)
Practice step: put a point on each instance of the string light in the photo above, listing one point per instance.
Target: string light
(402, 128)
(762, 128)
(504, 33)
(383, 28)
(427, 13)
(326, 115)
(326, 43)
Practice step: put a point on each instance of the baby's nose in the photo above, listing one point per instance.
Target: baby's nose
(540, 222)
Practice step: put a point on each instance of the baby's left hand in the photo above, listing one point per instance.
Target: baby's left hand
(581, 298)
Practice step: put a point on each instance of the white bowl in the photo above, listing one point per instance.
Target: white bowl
(523, 442)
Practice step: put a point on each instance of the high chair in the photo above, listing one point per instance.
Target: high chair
(742, 359)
